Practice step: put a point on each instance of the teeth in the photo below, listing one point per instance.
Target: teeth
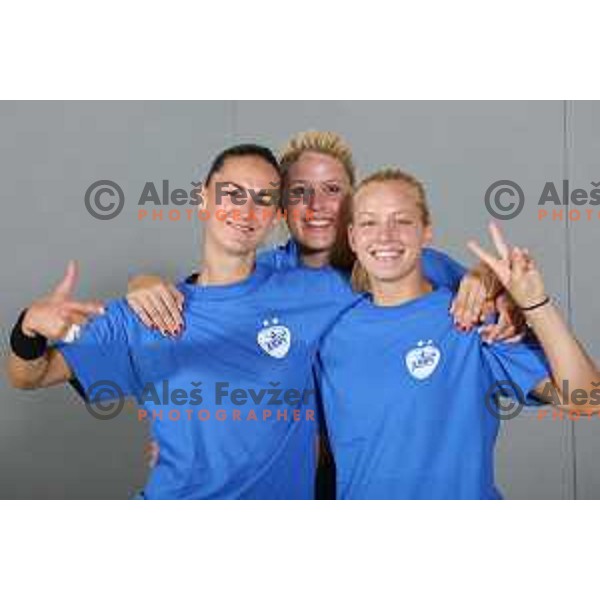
(318, 222)
(240, 226)
(386, 254)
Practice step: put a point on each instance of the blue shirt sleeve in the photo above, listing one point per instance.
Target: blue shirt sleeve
(101, 359)
(442, 270)
(524, 364)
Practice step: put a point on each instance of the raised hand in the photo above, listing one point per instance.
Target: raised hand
(515, 269)
(55, 314)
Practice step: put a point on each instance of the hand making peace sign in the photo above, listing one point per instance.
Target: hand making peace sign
(515, 269)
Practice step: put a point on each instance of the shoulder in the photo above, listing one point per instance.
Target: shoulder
(116, 321)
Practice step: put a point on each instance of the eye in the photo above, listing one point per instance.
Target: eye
(297, 190)
(266, 199)
(333, 189)
(366, 222)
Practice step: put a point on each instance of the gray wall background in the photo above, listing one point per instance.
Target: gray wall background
(50, 152)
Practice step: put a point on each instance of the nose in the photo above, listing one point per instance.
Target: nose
(385, 232)
(317, 200)
(244, 208)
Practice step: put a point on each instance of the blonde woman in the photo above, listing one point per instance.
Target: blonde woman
(407, 397)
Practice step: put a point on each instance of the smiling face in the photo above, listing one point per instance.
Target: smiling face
(237, 227)
(388, 230)
(318, 184)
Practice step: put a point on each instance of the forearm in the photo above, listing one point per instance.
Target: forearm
(31, 363)
(27, 374)
(49, 369)
(568, 360)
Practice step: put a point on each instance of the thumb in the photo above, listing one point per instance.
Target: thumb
(67, 285)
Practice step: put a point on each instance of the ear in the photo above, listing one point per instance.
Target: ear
(206, 189)
(351, 240)
(427, 235)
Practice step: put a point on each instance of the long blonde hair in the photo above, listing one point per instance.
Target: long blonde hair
(359, 277)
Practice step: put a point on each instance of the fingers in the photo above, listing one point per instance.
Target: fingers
(476, 302)
(64, 322)
(498, 332)
(489, 309)
(498, 239)
(172, 298)
(518, 263)
(506, 333)
(515, 339)
(170, 312)
(511, 325)
(89, 308)
(67, 284)
(468, 305)
(157, 304)
(150, 304)
(140, 311)
(483, 255)
(155, 310)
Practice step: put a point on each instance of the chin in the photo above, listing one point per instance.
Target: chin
(237, 247)
(316, 243)
(387, 273)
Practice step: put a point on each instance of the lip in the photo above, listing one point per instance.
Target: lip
(319, 223)
(387, 255)
(243, 228)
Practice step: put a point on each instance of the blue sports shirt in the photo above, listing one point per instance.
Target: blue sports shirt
(404, 396)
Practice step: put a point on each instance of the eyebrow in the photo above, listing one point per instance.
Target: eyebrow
(396, 212)
(241, 187)
(309, 181)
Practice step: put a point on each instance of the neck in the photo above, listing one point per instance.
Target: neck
(223, 269)
(394, 293)
(314, 260)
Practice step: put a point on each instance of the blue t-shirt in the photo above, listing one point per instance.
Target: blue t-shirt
(438, 267)
(404, 398)
(248, 347)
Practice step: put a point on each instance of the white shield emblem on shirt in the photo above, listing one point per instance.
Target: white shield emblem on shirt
(274, 339)
(422, 361)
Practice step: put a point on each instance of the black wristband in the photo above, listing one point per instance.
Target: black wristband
(25, 346)
(545, 301)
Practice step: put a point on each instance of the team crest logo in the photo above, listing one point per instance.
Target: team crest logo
(274, 339)
(422, 361)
